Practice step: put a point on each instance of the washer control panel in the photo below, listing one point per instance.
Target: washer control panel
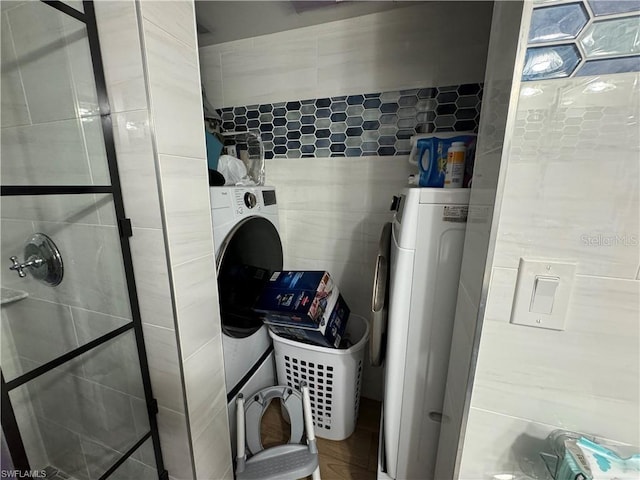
(245, 201)
(250, 200)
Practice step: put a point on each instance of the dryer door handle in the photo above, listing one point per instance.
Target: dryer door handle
(380, 298)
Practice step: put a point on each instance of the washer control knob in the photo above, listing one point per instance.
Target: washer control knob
(250, 200)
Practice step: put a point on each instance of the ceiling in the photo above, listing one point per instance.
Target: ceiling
(224, 21)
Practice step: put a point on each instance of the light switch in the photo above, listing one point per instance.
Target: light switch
(544, 291)
(542, 295)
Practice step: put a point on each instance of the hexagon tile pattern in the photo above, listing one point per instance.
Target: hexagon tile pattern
(357, 125)
(570, 39)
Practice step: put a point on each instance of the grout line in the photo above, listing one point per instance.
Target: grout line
(57, 120)
(146, 19)
(84, 456)
(195, 260)
(158, 326)
(216, 336)
(606, 277)
(578, 275)
(531, 420)
(15, 54)
(581, 275)
(148, 229)
(176, 412)
(65, 372)
(181, 157)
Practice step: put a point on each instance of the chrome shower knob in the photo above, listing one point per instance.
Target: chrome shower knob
(43, 260)
(20, 267)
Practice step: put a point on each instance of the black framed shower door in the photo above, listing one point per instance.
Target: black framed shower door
(74, 366)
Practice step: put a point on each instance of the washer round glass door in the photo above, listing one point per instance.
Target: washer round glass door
(249, 254)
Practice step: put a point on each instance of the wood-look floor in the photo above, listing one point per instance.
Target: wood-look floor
(354, 458)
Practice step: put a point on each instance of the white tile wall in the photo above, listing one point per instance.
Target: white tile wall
(41, 330)
(84, 407)
(185, 197)
(59, 208)
(80, 66)
(398, 49)
(196, 303)
(499, 444)
(562, 201)
(169, 41)
(175, 93)
(176, 18)
(317, 235)
(562, 378)
(268, 69)
(99, 458)
(114, 364)
(39, 42)
(121, 55)
(560, 193)
(174, 437)
(164, 367)
(41, 119)
(14, 104)
(95, 150)
(61, 142)
(328, 189)
(333, 222)
(212, 449)
(137, 168)
(204, 372)
(491, 137)
(152, 277)
(64, 449)
(402, 48)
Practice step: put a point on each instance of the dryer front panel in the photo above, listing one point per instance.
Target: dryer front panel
(246, 258)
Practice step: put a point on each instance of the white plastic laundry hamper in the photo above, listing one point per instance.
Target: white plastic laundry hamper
(333, 375)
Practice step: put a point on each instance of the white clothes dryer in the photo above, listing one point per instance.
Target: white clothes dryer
(418, 271)
(247, 248)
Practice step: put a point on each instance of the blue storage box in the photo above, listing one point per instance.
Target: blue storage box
(304, 306)
(214, 148)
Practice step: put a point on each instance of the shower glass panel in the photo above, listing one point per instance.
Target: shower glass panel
(76, 395)
(91, 300)
(90, 409)
(137, 466)
(51, 128)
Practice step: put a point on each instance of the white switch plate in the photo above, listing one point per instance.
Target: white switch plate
(528, 270)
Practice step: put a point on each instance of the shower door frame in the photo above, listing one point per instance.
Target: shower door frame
(10, 426)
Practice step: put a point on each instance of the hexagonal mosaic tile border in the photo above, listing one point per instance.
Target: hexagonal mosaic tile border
(580, 38)
(357, 125)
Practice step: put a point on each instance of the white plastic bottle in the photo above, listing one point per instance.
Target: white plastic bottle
(455, 165)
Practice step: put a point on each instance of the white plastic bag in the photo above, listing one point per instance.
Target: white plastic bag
(234, 171)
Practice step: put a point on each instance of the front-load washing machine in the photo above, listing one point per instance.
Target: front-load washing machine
(247, 249)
